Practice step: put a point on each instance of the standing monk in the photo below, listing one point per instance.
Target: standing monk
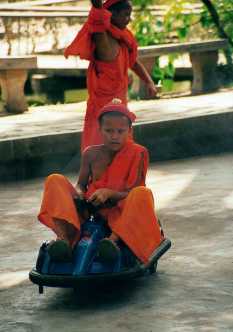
(111, 49)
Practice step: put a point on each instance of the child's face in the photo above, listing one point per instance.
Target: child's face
(115, 131)
(121, 18)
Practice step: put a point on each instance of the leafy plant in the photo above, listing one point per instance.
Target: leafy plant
(180, 23)
(151, 30)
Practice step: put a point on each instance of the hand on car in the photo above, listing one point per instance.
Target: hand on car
(79, 194)
(100, 196)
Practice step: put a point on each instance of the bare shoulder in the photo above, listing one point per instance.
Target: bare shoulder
(107, 47)
(92, 152)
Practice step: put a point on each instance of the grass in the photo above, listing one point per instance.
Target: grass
(70, 96)
(75, 96)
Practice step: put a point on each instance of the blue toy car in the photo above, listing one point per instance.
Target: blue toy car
(85, 265)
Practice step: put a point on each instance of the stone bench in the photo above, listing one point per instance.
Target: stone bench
(13, 75)
(55, 74)
(203, 56)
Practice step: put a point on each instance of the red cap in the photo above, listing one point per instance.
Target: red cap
(109, 3)
(116, 105)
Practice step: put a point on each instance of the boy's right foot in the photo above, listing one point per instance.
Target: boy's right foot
(60, 251)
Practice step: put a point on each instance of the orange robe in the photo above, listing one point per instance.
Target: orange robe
(105, 80)
(133, 219)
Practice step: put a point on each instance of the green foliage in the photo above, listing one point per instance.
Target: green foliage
(178, 24)
(225, 11)
(143, 3)
(177, 21)
(218, 16)
(168, 72)
(151, 30)
(145, 31)
(206, 20)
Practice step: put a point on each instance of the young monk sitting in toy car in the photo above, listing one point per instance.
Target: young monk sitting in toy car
(112, 178)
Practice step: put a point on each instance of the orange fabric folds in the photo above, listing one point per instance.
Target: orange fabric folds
(58, 202)
(132, 219)
(137, 224)
(105, 80)
(122, 173)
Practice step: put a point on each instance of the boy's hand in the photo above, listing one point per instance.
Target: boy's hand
(152, 90)
(97, 3)
(100, 196)
(79, 193)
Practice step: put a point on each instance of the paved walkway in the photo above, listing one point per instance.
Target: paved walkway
(192, 290)
(57, 119)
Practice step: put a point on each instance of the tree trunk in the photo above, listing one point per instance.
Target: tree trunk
(221, 32)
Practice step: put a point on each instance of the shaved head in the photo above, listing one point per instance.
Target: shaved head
(121, 5)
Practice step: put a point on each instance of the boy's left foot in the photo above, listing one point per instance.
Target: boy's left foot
(108, 251)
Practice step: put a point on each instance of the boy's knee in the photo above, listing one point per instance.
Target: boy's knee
(54, 178)
(141, 190)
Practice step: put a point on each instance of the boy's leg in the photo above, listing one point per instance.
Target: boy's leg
(58, 210)
(65, 231)
(138, 225)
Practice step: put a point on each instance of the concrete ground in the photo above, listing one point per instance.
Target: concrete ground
(191, 291)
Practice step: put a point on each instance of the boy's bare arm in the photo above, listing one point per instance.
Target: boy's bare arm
(143, 74)
(106, 47)
(84, 174)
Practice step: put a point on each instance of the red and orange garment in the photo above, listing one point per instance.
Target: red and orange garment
(105, 80)
(132, 219)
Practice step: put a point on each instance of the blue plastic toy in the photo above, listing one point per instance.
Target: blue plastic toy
(85, 265)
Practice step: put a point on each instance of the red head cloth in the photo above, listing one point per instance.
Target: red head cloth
(116, 105)
(109, 3)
